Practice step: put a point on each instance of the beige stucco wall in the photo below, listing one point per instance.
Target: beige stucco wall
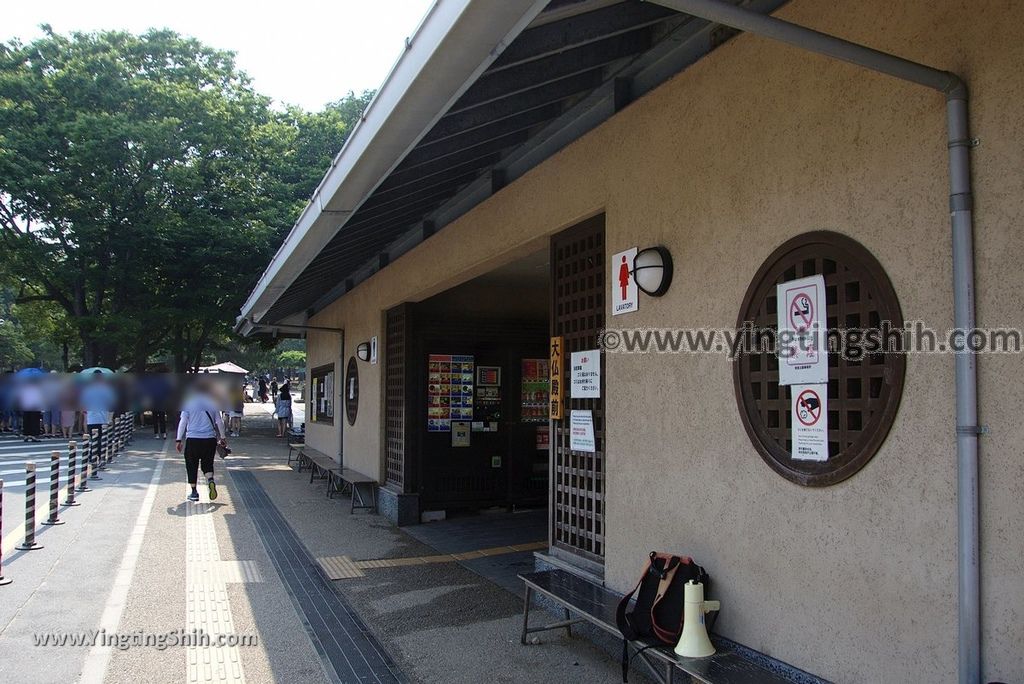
(755, 144)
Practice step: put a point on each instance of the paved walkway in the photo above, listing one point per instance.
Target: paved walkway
(136, 562)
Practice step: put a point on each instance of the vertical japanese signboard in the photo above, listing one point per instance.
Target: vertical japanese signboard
(802, 347)
(555, 367)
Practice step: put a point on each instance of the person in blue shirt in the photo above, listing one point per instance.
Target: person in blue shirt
(98, 402)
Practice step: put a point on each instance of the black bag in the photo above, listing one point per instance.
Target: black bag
(657, 613)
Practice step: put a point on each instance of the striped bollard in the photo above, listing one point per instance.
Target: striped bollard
(85, 468)
(110, 448)
(72, 462)
(95, 444)
(3, 580)
(54, 490)
(130, 427)
(30, 543)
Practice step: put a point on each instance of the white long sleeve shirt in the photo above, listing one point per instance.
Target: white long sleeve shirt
(195, 418)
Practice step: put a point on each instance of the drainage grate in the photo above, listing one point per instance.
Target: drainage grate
(350, 653)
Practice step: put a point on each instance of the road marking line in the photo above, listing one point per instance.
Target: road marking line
(95, 667)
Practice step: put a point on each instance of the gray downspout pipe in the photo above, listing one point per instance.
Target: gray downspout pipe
(961, 216)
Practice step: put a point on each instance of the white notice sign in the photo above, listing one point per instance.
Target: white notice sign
(810, 422)
(625, 297)
(581, 431)
(803, 357)
(586, 374)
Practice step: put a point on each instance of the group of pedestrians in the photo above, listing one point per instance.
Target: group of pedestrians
(266, 389)
(41, 405)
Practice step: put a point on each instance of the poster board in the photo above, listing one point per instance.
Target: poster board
(321, 395)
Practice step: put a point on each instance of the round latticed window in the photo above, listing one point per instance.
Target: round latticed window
(865, 379)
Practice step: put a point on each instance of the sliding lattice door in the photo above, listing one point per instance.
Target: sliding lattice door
(577, 315)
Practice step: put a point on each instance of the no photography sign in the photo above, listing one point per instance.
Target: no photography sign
(809, 407)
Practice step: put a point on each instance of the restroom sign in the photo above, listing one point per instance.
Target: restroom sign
(625, 295)
(802, 343)
(810, 422)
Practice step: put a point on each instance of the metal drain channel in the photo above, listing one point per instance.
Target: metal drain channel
(348, 650)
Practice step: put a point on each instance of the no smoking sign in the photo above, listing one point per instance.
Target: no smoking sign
(803, 357)
(801, 312)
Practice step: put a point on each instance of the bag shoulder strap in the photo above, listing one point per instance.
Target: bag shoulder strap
(216, 430)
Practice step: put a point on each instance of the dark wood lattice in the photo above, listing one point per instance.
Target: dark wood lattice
(577, 314)
(395, 395)
(863, 393)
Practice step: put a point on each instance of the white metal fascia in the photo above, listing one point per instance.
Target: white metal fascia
(455, 43)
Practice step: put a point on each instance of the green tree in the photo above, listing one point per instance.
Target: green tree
(135, 187)
(291, 359)
(13, 349)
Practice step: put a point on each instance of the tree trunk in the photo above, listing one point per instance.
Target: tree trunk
(179, 351)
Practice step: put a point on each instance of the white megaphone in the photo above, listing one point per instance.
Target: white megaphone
(694, 643)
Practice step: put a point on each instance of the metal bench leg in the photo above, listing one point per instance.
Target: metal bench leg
(568, 627)
(526, 614)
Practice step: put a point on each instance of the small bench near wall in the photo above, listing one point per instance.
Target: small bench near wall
(363, 488)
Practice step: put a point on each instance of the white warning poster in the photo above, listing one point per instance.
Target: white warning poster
(581, 431)
(810, 422)
(802, 345)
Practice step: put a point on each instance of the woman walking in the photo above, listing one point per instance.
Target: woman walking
(200, 428)
(283, 408)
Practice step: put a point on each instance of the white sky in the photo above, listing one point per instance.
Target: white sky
(296, 51)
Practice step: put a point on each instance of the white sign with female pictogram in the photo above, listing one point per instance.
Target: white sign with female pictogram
(810, 422)
(802, 344)
(625, 295)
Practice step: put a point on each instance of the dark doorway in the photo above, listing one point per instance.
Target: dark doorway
(476, 391)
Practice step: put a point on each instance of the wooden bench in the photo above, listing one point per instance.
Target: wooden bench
(296, 449)
(363, 489)
(586, 601)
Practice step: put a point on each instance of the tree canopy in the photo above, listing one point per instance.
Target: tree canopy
(144, 185)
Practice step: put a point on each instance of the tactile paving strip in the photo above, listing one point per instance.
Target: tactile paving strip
(349, 652)
(207, 606)
(343, 567)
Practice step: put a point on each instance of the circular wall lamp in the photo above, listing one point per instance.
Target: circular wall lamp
(363, 351)
(652, 270)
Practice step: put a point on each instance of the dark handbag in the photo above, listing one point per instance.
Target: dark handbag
(222, 449)
(657, 614)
